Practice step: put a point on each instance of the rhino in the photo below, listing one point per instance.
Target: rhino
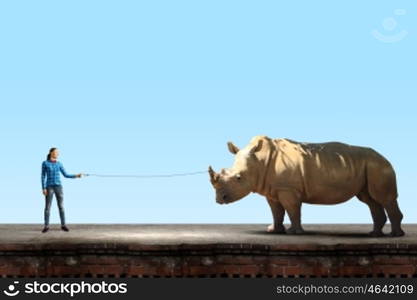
(289, 173)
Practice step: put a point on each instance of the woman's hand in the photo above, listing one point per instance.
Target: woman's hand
(79, 175)
(45, 192)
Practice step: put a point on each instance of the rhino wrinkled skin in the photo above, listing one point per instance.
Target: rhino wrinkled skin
(289, 173)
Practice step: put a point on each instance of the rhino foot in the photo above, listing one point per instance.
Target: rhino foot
(397, 233)
(375, 233)
(276, 229)
(297, 230)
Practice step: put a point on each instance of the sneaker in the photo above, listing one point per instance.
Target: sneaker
(45, 229)
(65, 228)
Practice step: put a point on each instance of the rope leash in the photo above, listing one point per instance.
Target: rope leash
(146, 176)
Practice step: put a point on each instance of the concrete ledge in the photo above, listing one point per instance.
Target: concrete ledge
(189, 250)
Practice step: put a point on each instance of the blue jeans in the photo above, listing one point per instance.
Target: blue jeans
(59, 194)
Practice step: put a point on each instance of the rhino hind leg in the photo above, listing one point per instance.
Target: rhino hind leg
(395, 217)
(278, 213)
(390, 204)
(382, 187)
(377, 211)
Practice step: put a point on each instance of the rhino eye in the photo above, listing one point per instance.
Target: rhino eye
(238, 177)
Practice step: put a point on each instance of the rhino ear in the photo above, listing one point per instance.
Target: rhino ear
(256, 148)
(232, 148)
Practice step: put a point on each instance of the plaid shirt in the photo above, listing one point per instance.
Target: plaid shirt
(50, 173)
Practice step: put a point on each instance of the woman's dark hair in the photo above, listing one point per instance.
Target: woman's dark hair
(48, 157)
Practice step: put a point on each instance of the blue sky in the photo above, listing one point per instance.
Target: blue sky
(159, 87)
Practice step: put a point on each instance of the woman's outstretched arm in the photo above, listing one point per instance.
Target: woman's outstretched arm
(62, 169)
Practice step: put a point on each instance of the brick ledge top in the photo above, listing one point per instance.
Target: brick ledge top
(212, 238)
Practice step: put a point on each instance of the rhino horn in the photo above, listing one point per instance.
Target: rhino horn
(213, 175)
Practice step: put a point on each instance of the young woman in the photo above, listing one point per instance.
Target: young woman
(51, 184)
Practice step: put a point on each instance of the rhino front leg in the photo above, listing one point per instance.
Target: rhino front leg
(278, 213)
(292, 204)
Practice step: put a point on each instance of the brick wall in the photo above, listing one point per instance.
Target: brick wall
(215, 260)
